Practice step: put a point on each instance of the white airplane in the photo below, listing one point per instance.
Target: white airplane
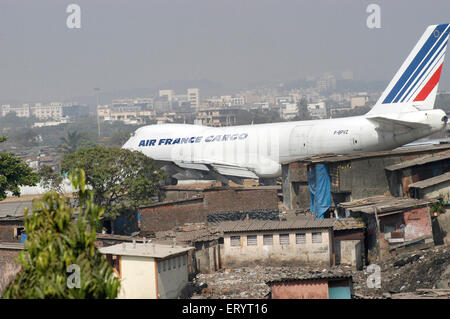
(403, 113)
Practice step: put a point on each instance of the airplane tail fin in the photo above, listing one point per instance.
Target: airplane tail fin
(415, 84)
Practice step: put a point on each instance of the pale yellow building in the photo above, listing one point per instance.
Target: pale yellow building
(298, 242)
(21, 111)
(168, 93)
(47, 111)
(149, 271)
(217, 116)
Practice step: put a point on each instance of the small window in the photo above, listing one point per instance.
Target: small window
(284, 239)
(169, 265)
(164, 265)
(174, 263)
(268, 240)
(159, 267)
(300, 238)
(235, 241)
(184, 259)
(179, 261)
(316, 237)
(252, 240)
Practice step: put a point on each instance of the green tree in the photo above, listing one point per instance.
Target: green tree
(49, 178)
(121, 179)
(302, 107)
(14, 173)
(118, 138)
(55, 243)
(27, 138)
(74, 141)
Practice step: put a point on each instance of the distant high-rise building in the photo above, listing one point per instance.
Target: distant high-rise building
(168, 93)
(327, 82)
(21, 111)
(53, 110)
(193, 96)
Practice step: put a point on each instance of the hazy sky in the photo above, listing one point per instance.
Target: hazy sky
(141, 44)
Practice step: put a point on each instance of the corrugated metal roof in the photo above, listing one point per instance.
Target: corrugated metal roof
(330, 158)
(418, 161)
(12, 245)
(348, 223)
(144, 250)
(382, 204)
(257, 225)
(431, 181)
(14, 209)
(311, 276)
(204, 234)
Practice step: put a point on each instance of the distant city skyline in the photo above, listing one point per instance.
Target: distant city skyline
(128, 46)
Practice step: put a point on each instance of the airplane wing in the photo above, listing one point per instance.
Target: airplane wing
(391, 124)
(230, 170)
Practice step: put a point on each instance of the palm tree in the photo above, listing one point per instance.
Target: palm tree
(71, 143)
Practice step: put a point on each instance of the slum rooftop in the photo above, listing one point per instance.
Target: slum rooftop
(258, 225)
(431, 181)
(144, 250)
(348, 223)
(381, 204)
(14, 207)
(190, 233)
(331, 157)
(418, 161)
(312, 275)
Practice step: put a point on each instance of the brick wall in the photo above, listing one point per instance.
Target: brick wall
(240, 200)
(166, 216)
(306, 289)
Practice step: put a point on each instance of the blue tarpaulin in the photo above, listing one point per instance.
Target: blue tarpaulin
(319, 189)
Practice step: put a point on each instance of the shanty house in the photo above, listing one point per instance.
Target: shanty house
(392, 223)
(305, 241)
(315, 286)
(149, 271)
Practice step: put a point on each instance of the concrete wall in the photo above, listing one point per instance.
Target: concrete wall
(146, 278)
(138, 278)
(441, 228)
(172, 282)
(366, 177)
(306, 289)
(8, 267)
(350, 252)
(276, 254)
(207, 255)
(295, 186)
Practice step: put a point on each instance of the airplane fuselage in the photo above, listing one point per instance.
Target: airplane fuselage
(262, 148)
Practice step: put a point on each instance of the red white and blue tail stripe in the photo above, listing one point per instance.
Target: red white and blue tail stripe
(416, 82)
